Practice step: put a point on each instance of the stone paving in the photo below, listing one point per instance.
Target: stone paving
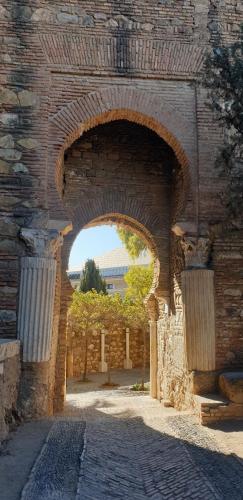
(119, 444)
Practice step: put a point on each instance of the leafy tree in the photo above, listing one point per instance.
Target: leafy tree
(224, 80)
(134, 245)
(91, 278)
(112, 318)
(139, 281)
(84, 317)
(95, 311)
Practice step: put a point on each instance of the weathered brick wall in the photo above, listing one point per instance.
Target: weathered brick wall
(148, 53)
(115, 351)
(228, 265)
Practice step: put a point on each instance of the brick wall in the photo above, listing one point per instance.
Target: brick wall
(119, 60)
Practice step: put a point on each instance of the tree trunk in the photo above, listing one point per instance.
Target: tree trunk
(85, 358)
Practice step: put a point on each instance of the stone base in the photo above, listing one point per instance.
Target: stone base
(9, 381)
(103, 367)
(204, 382)
(33, 400)
(231, 386)
(213, 408)
(127, 364)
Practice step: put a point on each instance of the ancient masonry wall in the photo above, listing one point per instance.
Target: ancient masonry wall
(9, 382)
(54, 53)
(115, 351)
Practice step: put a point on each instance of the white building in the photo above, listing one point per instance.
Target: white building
(113, 266)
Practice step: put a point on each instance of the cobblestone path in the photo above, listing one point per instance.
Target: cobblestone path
(116, 444)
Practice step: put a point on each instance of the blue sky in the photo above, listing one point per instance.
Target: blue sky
(92, 242)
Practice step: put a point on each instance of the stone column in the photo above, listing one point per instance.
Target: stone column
(127, 361)
(36, 295)
(103, 364)
(35, 316)
(198, 305)
(152, 307)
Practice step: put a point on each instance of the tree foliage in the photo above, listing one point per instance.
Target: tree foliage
(134, 245)
(91, 278)
(139, 281)
(95, 311)
(224, 80)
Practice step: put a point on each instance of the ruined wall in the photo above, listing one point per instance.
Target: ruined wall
(115, 351)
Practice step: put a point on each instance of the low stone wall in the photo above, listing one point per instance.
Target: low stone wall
(115, 343)
(9, 381)
(211, 409)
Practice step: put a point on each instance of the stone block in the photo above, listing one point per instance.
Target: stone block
(20, 168)
(10, 154)
(7, 142)
(7, 96)
(64, 18)
(4, 167)
(231, 386)
(28, 143)
(9, 119)
(27, 98)
(204, 382)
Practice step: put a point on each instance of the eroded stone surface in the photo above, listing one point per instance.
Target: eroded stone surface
(231, 385)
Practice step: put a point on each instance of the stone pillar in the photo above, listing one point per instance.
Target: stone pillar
(36, 300)
(36, 296)
(152, 307)
(35, 316)
(198, 306)
(127, 361)
(103, 364)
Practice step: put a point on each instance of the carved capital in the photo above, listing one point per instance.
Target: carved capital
(196, 251)
(42, 242)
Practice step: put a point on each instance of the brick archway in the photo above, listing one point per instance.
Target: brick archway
(128, 222)
(117, 103)
(147, 230)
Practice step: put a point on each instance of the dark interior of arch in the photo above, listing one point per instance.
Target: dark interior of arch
(122, 159)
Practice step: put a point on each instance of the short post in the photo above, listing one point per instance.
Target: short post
(102, 364)
(127, 361)
(69, 362)
(152, 308)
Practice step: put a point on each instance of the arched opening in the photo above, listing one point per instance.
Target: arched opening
(113, 344)
(122, 172)
(137, 107)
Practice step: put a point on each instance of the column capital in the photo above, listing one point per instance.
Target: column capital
(42, 242)
(196, 252)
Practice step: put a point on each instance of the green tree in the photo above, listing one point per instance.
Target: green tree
(139, 281)
(134, 245)
(224, 81)
(95, 311)
(91, 278)
(84, 317)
